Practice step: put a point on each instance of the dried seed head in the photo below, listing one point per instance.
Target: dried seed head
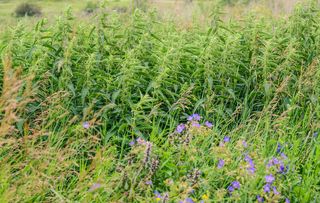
(147, 153)
(154, 165)
(194, 176)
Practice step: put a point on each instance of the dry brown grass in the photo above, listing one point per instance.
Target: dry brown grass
(16, 94)
(184, 12)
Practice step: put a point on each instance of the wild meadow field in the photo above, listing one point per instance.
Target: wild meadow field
(134, 102)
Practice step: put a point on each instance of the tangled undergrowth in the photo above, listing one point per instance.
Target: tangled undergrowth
(100, 112)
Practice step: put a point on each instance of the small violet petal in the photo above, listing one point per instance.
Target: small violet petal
(226, 139)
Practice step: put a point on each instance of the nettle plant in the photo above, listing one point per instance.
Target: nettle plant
(197, 165)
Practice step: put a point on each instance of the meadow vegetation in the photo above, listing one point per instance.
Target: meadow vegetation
(26, 9)
(135, 107)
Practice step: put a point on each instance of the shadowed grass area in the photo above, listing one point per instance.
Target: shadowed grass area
(135, 108)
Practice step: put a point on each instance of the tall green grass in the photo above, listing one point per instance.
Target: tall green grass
(136, 75)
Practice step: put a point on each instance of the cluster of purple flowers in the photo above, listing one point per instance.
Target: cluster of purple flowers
(270, 178)
(251, 167)
(221, 162)
(278, 164)
(268, 187)
(194, 117)
(194, 120)
(234, 185)
(181, 128)
(260, 199)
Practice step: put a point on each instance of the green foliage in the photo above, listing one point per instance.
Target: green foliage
(73, 95)
(27, 9)
(91, 7)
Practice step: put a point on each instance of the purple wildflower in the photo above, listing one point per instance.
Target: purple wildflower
(260, 199)
(226, 139)
(236, 184)
(86, 125)
(220, 163)
(95, 187)
(132, 143)
(208, 124)
(276, 161)
(189, 200)
(180, 128)
(230, 188)
(196, 124)
(269, 178)
(279, 148)
(149, 182)
(315, 134)
(270, 163)
(266, 188)
(275, 191)
(245, 144)
(273, 161)
(251, 169)
(248, 159)
(283, 169)
(287, 200)
(194, 117)
(283, 155)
